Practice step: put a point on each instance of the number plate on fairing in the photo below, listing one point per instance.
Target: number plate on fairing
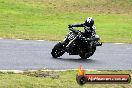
(71, 36)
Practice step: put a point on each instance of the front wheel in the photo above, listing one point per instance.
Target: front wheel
(58, 50)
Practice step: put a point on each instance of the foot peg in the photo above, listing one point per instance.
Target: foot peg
(98, 44)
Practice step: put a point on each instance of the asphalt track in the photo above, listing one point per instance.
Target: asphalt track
(31, 55)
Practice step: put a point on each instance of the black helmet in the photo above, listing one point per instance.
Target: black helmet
(89, 22)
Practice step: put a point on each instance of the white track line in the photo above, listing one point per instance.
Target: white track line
(40, 40)
(119, 43)
(44, 40)
(21, 71)
(18, 39)
(14, 71)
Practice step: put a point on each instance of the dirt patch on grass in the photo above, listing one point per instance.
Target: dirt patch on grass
(42, 74)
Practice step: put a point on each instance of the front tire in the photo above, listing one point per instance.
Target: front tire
(58, 50)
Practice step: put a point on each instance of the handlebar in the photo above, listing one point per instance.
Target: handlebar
(74, 30)
(77, 32)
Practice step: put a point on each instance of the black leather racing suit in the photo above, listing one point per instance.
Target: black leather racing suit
(89, 33)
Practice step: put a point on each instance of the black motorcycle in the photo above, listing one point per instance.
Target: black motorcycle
(76, 44)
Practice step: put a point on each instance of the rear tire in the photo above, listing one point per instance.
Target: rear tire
(85, 55)
(93, 50)
(82, 55)
(58, 50)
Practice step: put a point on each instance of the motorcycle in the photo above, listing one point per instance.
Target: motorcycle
(76, 44)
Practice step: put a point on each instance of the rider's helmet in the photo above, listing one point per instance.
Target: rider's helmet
(89, 22)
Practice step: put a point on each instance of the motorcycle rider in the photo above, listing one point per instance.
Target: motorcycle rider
(77, 42)
(89, 29)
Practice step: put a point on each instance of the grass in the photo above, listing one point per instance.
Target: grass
(53, 79)
(48, 19)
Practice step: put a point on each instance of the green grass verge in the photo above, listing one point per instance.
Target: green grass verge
(52, 79)
(48, 20)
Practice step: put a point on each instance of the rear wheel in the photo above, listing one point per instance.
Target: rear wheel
(92, 51)
(85, 55)
(82, 55)
(58, 50)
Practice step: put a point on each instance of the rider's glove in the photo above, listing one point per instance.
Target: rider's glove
(69, 26)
